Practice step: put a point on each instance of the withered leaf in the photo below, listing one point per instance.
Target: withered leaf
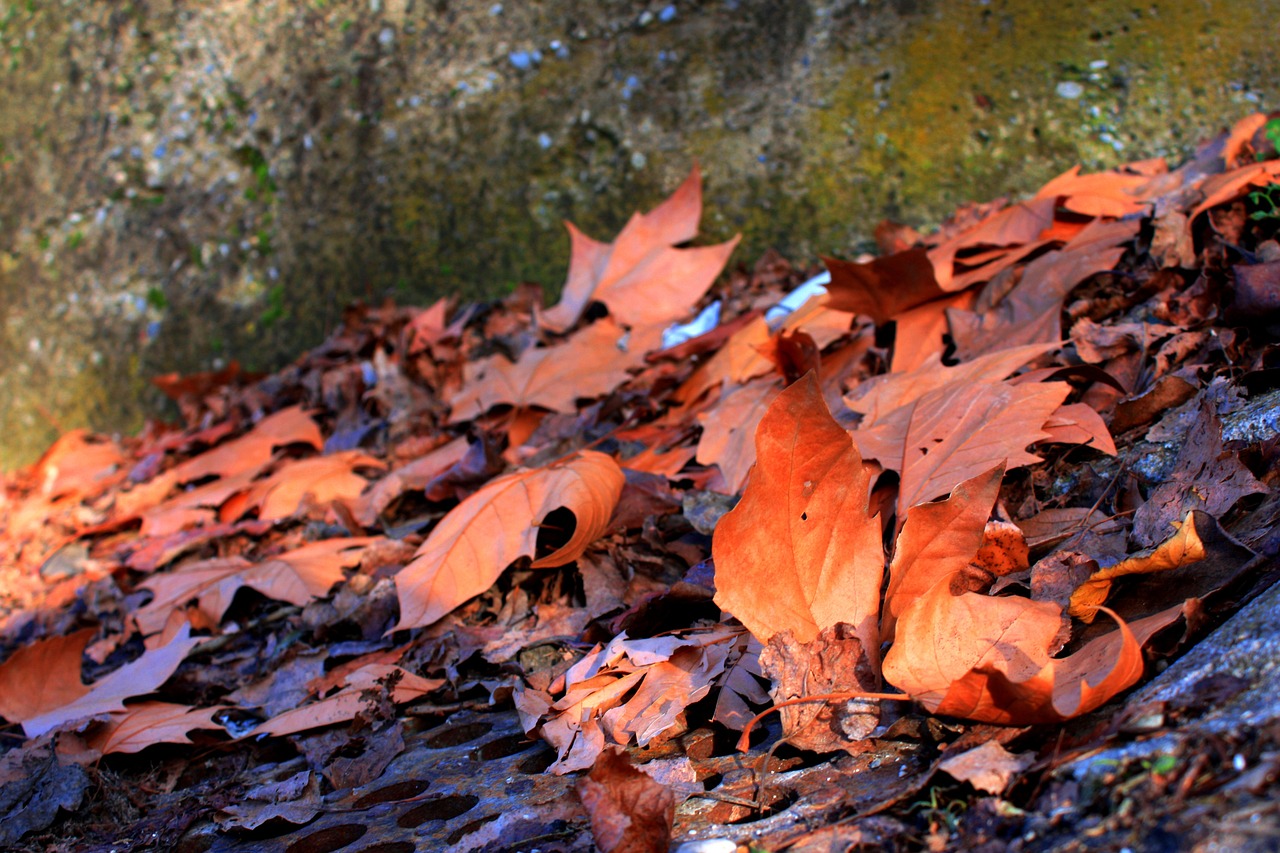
(630, 811)
(472, 545)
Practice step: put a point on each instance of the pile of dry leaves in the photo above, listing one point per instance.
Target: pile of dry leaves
(985, 474)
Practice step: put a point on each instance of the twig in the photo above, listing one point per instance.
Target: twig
(744, 742)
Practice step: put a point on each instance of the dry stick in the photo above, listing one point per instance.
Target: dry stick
(744, 742)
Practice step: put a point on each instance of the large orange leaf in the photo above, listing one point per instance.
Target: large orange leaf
(937, 540)
(40, 684)
(591, 363)
(799, 552)
(479, 538)
(988, 658)
(640, 276)
(956, 432)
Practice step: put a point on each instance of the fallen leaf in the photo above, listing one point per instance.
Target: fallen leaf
(147, 723)
(296, 576)
(1183, 547)
(630, 811)
(416, 475)
(937, 541)
(40, 684)
(799, 552)
(472, 545)
(728, 431)
(989, 767)
(321, 479)
(1205, 477)
(253, 449)
(956, 432)
(642, 279)
(591, 363)
(351, 699)
(883, 287)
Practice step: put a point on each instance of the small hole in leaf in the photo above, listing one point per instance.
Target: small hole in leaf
(328, 840)
(457, 735)
(439, 808)
(393, 793)
(502, 747)
(554, 531)
(804, 516)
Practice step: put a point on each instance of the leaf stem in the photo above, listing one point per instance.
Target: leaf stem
(744, 744)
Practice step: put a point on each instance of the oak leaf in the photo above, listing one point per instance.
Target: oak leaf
(472, 545)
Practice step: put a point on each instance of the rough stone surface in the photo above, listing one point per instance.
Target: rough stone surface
(187, 183)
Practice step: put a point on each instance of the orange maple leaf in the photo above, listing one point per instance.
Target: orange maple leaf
(642, 279)
(591, 363)
(800, 552)
(479, 538)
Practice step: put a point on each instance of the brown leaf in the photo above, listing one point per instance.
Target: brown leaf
(883, 287)
(729, 429)
(472, 545)
(253, 449)
(1030, 313)
(799, 552)
(320, 479)
(630, 812)
(989, 767)
(146, 723)
(957, 432)
(295, 576)
(351, 699)
(835, 660)
(1205, 477)
(416, 475)
(40, 684)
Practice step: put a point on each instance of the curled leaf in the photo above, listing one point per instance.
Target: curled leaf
(479, 538)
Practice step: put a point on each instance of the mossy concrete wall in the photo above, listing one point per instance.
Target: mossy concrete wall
(183, 183)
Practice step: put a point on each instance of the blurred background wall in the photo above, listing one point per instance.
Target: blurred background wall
(187, 183)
